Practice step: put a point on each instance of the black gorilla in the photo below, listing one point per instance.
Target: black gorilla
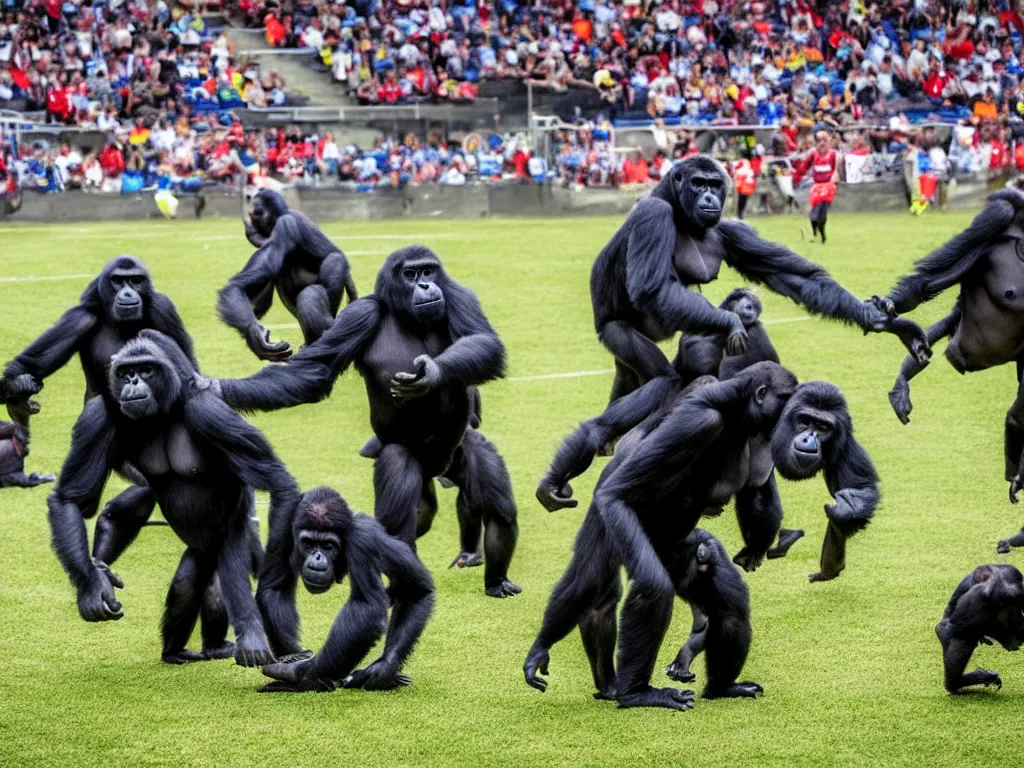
(712, 445)
(330, 543)
(308, 270)
(714, 588)
(814, 434)
(14, 437)
(674, 239)
(703, 355)
(986, 325)
(421, 342)
(114, 307)
(201, 460)
(987, 605)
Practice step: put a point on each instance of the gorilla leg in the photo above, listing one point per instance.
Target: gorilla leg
(184, 599)
(787, 538)
(956, 652)
(635, 352)
(313, 307)
(679, 669)
(398, 487)
(214, 624)
(485, 494)
(336, 278)
(598, 632)
(120, 522)
(426, 509)
(591, 568)
(728, 643)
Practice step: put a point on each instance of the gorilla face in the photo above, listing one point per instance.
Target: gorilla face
(748, 307)
(800, 439)
(139, 380)
(317, 551)
(125, 293)
(700, 186)
(426, 299)
(267, 207)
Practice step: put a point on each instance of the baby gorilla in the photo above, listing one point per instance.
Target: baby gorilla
(330, 542)
(720, 601)
(987, 605)
(704, 355)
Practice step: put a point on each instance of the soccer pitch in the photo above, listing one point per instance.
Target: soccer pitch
(851, 668)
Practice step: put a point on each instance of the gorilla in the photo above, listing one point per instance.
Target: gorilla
(703, 355)
(114, 307)
(308, 270)
(987, 605)
(674, 239)
(14, 448)
(690, 461)
(330, 543)
(715, 590)
(986, 325)
(200, 459)
(420, 342)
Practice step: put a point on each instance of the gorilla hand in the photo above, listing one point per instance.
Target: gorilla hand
(19, 387)
(96, 601)
(899, 397)
(426, 378)
(736, 341)
(294, 677)
(36, 479)
(554, 496)
(880, 315)
(379, 676)
(537, 660)
(258, 339)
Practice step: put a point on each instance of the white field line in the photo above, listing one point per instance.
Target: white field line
(240, 236)
(44, 278)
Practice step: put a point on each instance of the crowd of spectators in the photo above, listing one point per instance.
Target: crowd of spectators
(109, 63)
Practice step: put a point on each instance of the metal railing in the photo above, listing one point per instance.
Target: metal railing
(424, 111)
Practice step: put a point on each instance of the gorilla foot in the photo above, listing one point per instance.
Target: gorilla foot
(504, 588)
(467, 560)
(666, 698)
(302, 655)
(824, 575)
(253, 651)
(536, 664)
(184, 656)
(984, 677)
(787, 538)
(608, 449)
(225, 651)
(746, 690)
(680, 672)
(608, 693)
(1003, 547)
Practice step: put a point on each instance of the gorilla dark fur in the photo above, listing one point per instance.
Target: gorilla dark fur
(640, 285)
(421, 343)
(704, 355)
(720, 600)
(330, 543)
(200, 459)
(987, 605)
(114, 307)
(986, 325)
(691, 460)
(14, 449)
(814, 434)
(309, 272)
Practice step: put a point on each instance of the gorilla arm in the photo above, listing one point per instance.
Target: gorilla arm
(76, 496)
(234, 302)
(759, 513)
(654, 287)
(809, 285)
(309, 376)
(899, 395)
(851, 479)
(50, 352)
(246, 451)
(577, 451)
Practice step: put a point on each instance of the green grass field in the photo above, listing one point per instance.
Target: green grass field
(851, 668)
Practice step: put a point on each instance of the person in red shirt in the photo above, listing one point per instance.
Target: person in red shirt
(822, 163)
(112, 161)
(635, 169)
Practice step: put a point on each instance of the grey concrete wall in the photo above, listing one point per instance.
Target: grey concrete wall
(468, 202)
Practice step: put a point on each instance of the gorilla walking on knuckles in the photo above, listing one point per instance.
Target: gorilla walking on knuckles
(200, 459)
(421, 343)
(987, 605)
(986, 325)
(692, 460)
(674, 239)
(309, 272)
(330, 543)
